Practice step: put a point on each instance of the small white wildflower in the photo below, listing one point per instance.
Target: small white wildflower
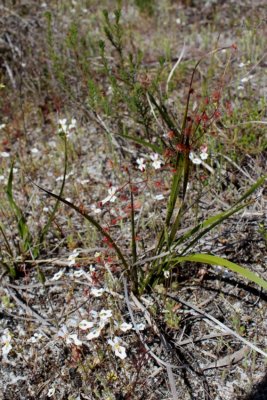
(203, 156)
(124, 327)
(94, 314)
(140, 326)
(58, 275)
(97, 292)
(63, 332)
(119, 350)
(63, 124)
(111, 195)
(105, 315)
(84, 325)
(195, 160)
(95, 209)
(167, 274)
(178, 21)
(51, 391)
(95, 333)
(5, 154)
(241, 65)
(35, 338)
(75, 340)
(45, 209)
(156, 162)
(141, 164)
(84, 181)
(203, 152)
(92, 267)
(69, 338)
(73, 123)
(6, 341)
(159, 197)
(2, 126)
(79, 273)
(246, 78)
(34, 150)
(73, 256)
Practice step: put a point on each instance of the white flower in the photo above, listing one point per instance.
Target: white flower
(2, 126)
(34, 150)
(111, 195)
(94, 314)
(69, 338)
(73, 123)
(78, 274)
(72, 257)
(6, 341)
(167, 274)
(141, 164)
(63, 332)
(35, 338)
(4, 154)
(159, 197)
(58, 275)
(74, 338)
(140, 326)
(63, 124)
(95, 209)
(97, 292)
(241, 65)
(92, 267)
(246, 78)
(119, 350)
(105, 315)
(195, 160)
(84, 325)
(51, 391)
(203, 156)
(156, 162)
(94, 333)
(124, 327)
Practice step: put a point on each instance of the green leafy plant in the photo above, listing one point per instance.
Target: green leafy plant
(143, 100)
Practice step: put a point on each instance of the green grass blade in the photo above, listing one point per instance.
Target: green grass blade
(21, 220)
(207, 226)
(7, 245)
(252, 189)
(215, 260)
